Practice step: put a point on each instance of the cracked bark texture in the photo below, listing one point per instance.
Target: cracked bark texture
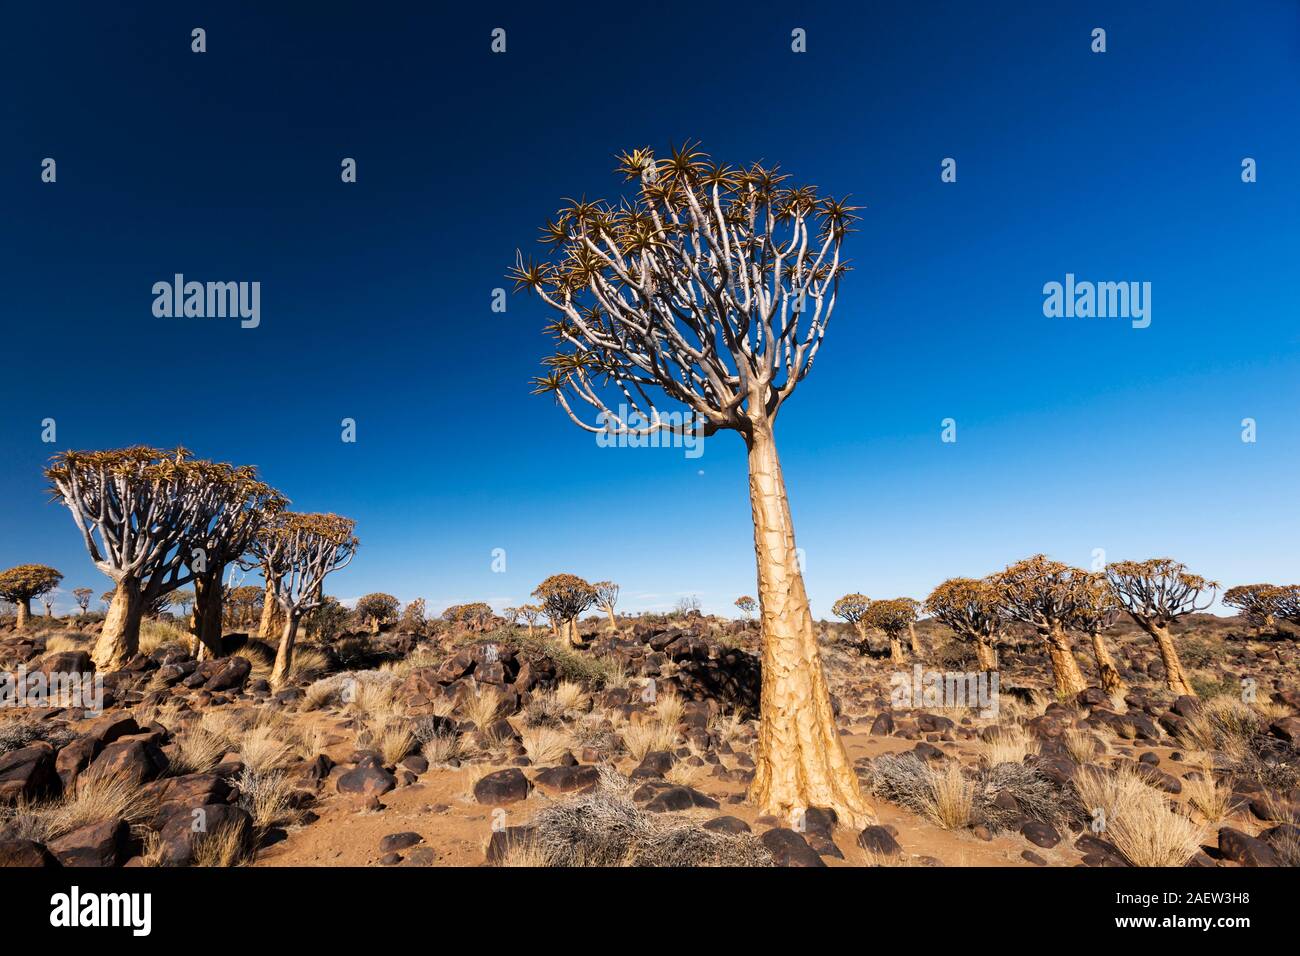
(801, 761)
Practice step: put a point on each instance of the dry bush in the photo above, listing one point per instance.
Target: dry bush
(98, 795)
(1011, 744)
(669, 708)
(225, 846)
(440, 748)
(649, 735)
(1138, 819)
(395, 741)
(1208, 796)
(358, 691)
(155, 634)
(1082, 746)
(606, 828)
(545, 745)
(267, 798)
(482, 706)
(944, 795)
(66, 642)
(307, 664)
(262, 749)
(196, 751)
(1036, 795)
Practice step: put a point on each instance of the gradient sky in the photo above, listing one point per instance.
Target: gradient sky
(1073, 434)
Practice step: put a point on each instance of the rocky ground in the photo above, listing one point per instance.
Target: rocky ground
(503, 748)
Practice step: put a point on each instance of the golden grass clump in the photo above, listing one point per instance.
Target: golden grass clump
(1137, 819)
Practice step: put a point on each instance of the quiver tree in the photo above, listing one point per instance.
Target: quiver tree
(244, 604)
(1288, 604)
(972, 610)
(82, 596)
(241, 505)
(182, 601)
(307, 547)
(853, 608)
(1156, 593)
(531, 613)
(25, 582)
(694, 305)
(1042, 593)
(893, 616)
(412, 620)
(564, 597)
(142, 514)
(1258, 602)
(747, 606)
(375, 610)
(606, 598)
(475, 616)
(1096, 610)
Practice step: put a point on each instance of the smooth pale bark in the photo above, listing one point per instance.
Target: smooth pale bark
(864, 645)
(266, 627)
(119, 641)
(915, 641)
(800, 760)
(1066, 676)
(986, 654)
(1175, 678)
(1106, 669)
(284, 653)
(572, 630)
(613, 622)
(208, 608)
(24, 612)
(896, 654)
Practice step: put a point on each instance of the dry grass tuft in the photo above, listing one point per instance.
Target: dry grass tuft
(1138, 819)
(647, 736)
(1011, 744)
(545, 745)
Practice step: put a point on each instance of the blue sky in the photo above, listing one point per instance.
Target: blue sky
(1072, 434)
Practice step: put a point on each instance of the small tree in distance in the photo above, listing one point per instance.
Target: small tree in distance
(853, 608)
(1042, 593)
(893, 616)
(310, 547)
(82, 596)
(971, 609)
(25, 582)
(1156, 593)
(1096, 610)
(376, 610)
(1260, 604)
(606, 598)
(747, 606)
(565, 596)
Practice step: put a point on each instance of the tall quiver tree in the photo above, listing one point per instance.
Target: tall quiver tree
(709, 289)
(25, 582)
(1042, 593)
(1096, 610)
(242, 505)
(971, 609)
(137, 510)
(1156, 593)
(606, 599)
(302, 549)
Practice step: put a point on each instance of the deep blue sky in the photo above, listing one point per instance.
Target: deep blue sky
(1072, 434)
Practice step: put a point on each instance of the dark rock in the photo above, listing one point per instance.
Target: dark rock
(399, 841)
(883, 725)
(876, 839)
(680, 798)
(25, 853)
(134, 758)
(789, 848)
(502, 841)
(182, 834)
(1245, 849)
(367, 780)
(1040, 834)
(28, 774)
(569, 779)
(233, 673)
(502, 787)
(727, 824)
(102, 844)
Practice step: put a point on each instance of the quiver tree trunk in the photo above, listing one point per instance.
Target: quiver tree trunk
(1175, 678)
(119, 641)
(896, 653)
(613, 621)
(986, 655)
(800, 761)
(1107, 672)
(914, 640)
(266, 627)
(864, 645)
(571, 628)
(24, 612)
(208, 608)
(1066, 676)
(284, 653)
